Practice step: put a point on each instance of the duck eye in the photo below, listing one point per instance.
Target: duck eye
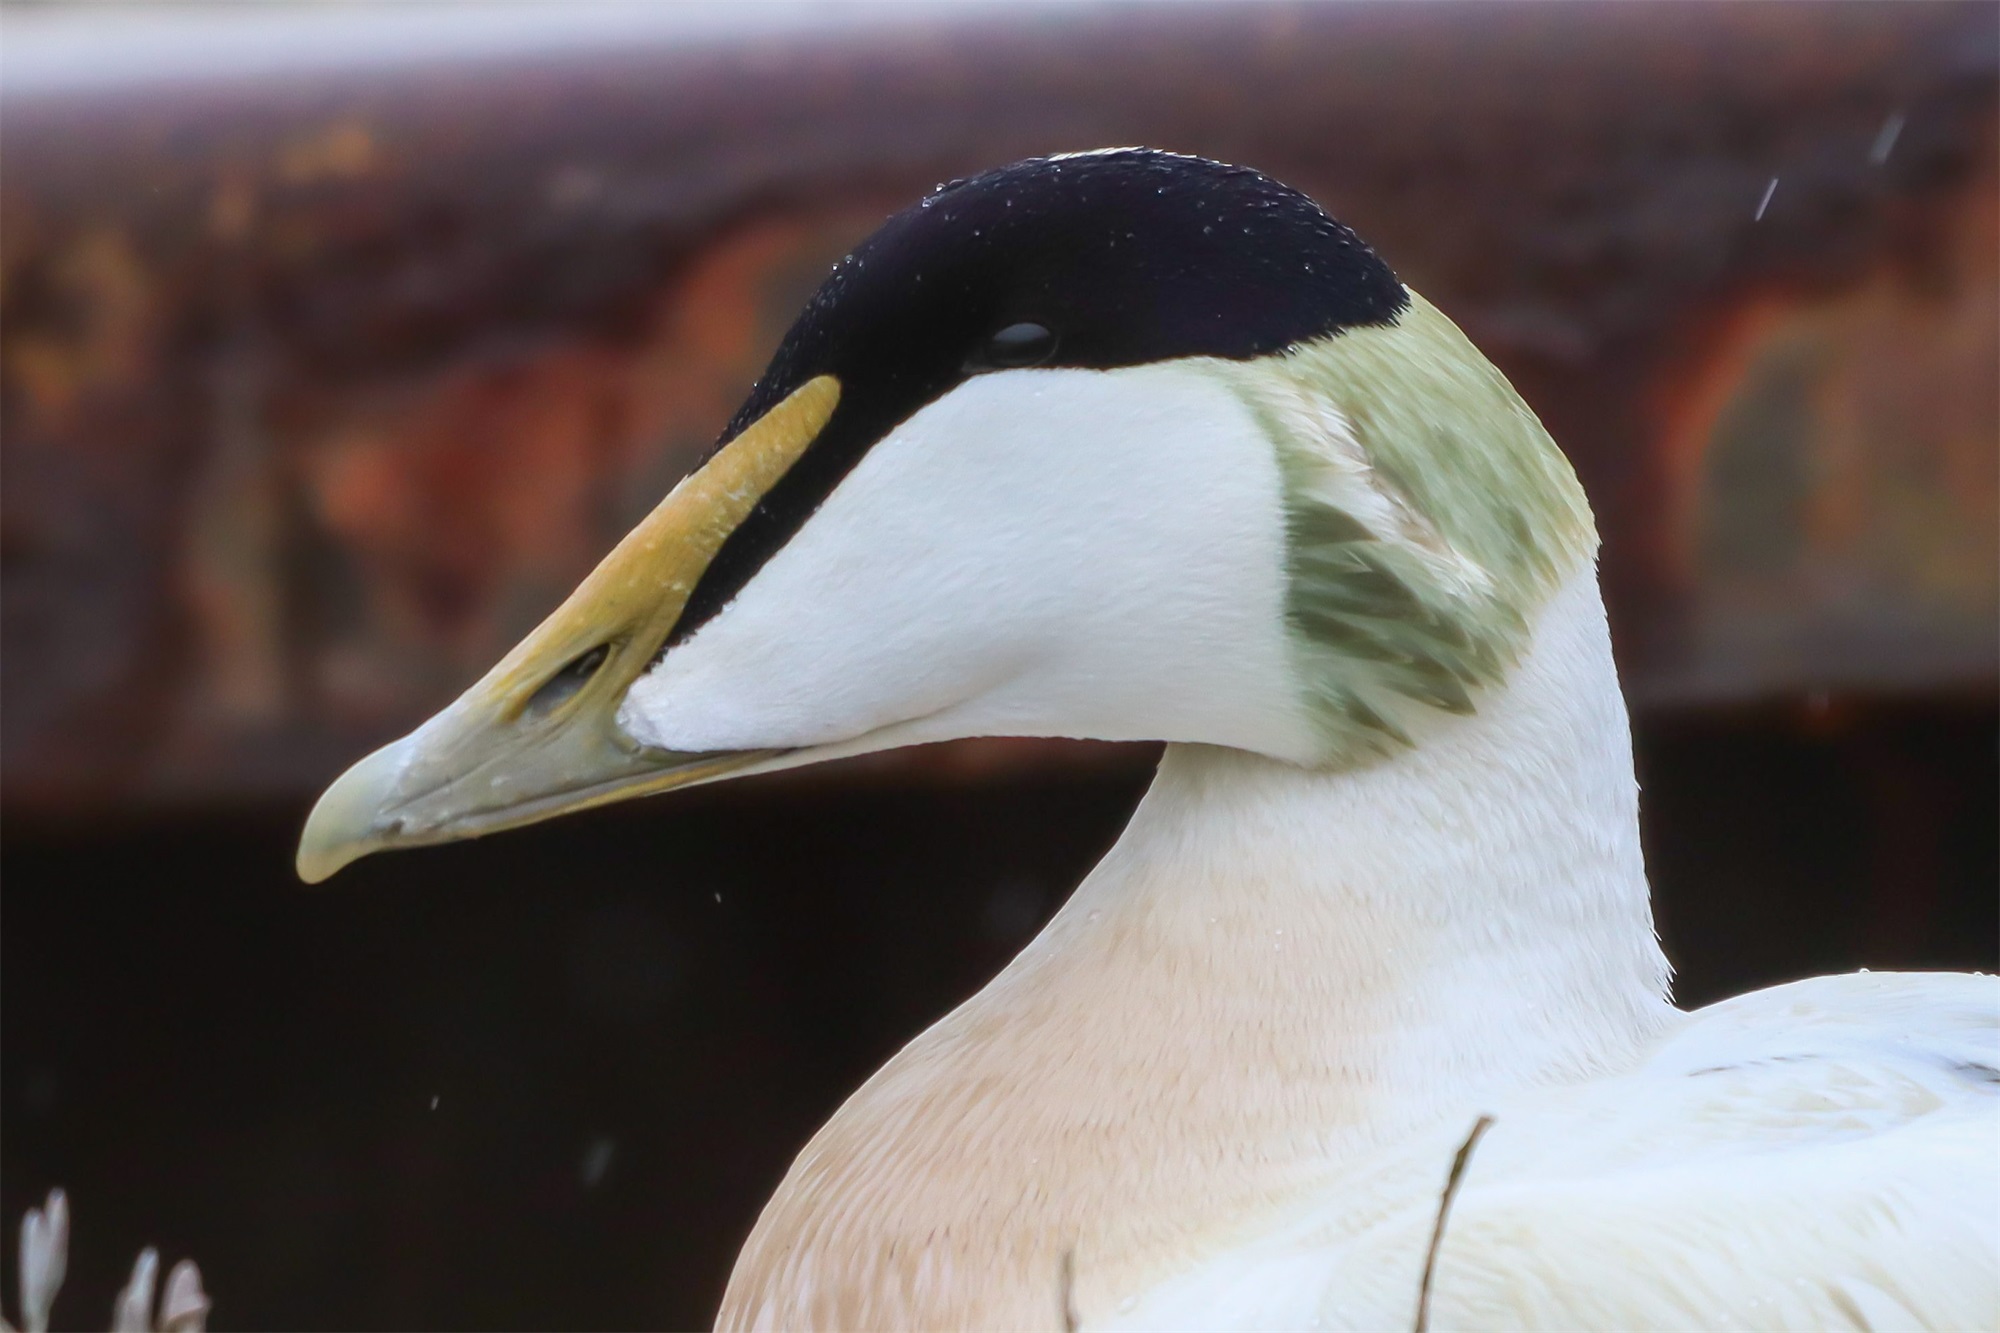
(557, 689)
(1018, 345)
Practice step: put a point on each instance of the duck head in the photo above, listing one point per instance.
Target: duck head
(1121, 445)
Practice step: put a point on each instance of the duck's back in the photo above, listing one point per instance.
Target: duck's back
(1824, 1154)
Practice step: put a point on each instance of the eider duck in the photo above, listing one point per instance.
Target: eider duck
(1130, 445)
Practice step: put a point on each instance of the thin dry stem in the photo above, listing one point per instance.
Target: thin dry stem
(1451, 1184)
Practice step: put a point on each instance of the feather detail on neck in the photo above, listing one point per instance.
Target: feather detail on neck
(1274, 970)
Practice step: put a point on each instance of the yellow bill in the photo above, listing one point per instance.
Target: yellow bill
(538, 736)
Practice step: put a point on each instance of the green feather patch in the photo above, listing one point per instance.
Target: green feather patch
(1428, 516)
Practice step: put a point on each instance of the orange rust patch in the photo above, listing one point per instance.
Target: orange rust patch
(1833, 477)
(469, 508)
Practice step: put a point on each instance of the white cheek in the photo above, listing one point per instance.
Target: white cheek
(1060, 552)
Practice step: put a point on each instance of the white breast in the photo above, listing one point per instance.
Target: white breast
(1824, 1154)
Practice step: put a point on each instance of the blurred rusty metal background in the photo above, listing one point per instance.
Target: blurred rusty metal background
(322, 386)
(338, 341)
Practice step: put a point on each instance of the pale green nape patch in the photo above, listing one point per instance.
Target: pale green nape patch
(1428, 517)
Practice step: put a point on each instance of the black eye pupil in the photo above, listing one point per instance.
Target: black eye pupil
(1017, 345)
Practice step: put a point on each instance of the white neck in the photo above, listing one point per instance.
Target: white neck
(1273, 970)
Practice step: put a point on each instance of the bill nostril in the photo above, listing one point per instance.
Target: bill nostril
(559, 688)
